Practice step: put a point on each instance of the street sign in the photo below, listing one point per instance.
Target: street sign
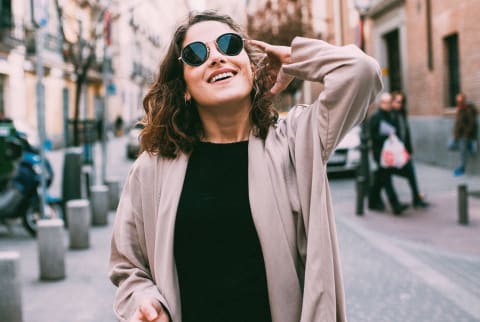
(40, 12)
(107, 28)
(111, 89)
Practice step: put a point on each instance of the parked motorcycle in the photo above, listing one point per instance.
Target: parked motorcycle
(19, 192)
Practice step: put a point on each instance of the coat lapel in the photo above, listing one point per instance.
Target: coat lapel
(169, 188)
(282, 279)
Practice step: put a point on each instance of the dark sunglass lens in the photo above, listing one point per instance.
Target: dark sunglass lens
(194, 54)
(230, 44)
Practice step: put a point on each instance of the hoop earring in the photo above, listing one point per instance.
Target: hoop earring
(188, 103)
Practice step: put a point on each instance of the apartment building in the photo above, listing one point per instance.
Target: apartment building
(429, 49)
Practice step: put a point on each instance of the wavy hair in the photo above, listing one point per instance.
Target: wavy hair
(172, 125)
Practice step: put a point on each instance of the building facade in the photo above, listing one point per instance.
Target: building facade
(20, 52)
(429, 49)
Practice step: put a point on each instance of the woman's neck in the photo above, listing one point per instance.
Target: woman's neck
(225, 125)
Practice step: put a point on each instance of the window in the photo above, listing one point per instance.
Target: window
(453, 68)
(6, 14)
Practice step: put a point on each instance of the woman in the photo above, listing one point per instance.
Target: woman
(400, 117)
(217, 214)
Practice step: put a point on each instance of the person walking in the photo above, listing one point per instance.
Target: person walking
(465, 131)
(400, 118)
(226, 215)
(382, 125)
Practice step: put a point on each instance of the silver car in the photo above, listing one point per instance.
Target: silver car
(346, 157)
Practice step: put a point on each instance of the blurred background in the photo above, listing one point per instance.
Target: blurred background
(73, 74)
(98, 57)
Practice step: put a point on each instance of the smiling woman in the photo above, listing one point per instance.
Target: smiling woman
(226, 215)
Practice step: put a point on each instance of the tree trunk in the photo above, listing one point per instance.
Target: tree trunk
(78, 93)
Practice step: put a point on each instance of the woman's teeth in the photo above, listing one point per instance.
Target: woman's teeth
(221, 76)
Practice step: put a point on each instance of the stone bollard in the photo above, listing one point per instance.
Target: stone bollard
(462, 195)
(10, 287)
(100, 204)
(113, 192)
(360, 184)
(72, 171)
(51, 249)
(79, 217)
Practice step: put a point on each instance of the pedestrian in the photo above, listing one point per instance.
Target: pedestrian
(226, 215)
(382, 125)
(400, 117)
(465, 132)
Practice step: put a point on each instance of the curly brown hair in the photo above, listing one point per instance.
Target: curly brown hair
(172, 126)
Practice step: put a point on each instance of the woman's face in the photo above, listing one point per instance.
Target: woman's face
(204, 85)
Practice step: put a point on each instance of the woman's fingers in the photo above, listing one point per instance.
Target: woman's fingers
(280, 53)
(260, 44)
(150, 312)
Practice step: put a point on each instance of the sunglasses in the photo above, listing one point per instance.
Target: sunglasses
(196, 53)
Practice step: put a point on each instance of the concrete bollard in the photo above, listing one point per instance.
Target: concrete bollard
(51, 249)
(79, 218)
(100, 204)
(360, 183)
(72, 171)
(10, 287)
(113, 192)
(462, 194)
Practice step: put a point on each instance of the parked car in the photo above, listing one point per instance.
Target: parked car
(133, 141)
(346, 157)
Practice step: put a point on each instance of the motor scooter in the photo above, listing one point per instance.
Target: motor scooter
(19, 193)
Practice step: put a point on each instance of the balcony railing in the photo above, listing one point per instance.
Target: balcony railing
(51, 42)
(8, 39)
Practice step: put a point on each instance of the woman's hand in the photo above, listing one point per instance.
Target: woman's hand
(150, 311)
(277, 57)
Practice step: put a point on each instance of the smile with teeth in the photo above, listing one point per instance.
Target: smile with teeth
(221, 76)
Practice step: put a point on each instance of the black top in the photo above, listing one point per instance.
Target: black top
(219, 261)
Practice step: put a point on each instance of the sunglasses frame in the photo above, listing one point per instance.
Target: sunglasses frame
(208, 48)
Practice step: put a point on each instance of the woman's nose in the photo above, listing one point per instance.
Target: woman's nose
(215, 56)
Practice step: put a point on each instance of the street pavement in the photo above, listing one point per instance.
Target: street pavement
(421, 266)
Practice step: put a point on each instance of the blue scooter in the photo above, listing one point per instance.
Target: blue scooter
(20, 195)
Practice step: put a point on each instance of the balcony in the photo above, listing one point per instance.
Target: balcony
(51, 43)
(8, 40)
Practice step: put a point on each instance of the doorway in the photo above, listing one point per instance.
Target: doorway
(392, 44)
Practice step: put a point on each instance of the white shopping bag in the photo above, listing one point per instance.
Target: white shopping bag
(394, 154)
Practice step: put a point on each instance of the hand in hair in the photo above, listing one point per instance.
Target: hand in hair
(277, 56)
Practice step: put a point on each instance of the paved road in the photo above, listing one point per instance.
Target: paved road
(395, 268)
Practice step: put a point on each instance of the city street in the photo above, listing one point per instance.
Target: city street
(421, 266)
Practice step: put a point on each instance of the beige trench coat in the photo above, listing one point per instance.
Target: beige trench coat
(289, 199)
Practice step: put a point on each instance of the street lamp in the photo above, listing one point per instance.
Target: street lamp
(39, 12)
(363, 172)
(362, 6)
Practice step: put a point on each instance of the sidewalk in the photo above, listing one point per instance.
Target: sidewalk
(436, 226)
(395, 268)
(86, 294)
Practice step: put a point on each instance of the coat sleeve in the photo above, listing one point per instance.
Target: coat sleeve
(351, 80)
(129, 264)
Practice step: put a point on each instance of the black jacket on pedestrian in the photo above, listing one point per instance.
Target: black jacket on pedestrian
(379, 122)
(402, 129)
